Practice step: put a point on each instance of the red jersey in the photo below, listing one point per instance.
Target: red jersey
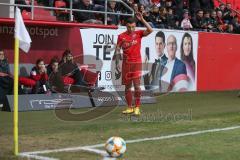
(131, 45)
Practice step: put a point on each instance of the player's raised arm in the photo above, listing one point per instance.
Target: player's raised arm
(146, 24)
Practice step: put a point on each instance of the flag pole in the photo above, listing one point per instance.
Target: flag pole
(15, 119)
(23, 41)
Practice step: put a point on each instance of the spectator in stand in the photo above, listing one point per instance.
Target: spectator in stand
(207, 21)
(170, 4)
(147, 17)
(39, 74)
(236, 24)
(53, 65)
(112, 19)
(162, 17)
(85, 17)
(214, 21)
(221, 8)
(147, 4)
(55, 76)
(6, 80)
(135, 8)
(172, 20)
(197, 21)
(69, 68)
(154, 16)
(186, 23)
(141, 8)
(227, 13)
(145, 14)
(222, 26)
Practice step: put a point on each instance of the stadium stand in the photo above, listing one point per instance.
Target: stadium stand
(168, 14)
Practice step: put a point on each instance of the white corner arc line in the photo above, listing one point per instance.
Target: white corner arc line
(37, 157)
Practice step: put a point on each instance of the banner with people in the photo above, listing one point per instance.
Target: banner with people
(169, 59)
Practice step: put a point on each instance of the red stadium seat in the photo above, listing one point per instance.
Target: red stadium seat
(68, 80)
(89, 77)
(26, 14)
(28, 82)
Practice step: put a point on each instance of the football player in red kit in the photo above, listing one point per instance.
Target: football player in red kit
(130, 42)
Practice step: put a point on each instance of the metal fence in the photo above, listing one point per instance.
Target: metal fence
(71, 10)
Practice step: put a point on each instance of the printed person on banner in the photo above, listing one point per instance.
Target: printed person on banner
(174, 77)
(155, 70)
(186, 51)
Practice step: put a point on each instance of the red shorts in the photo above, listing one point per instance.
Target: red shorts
(130, 71)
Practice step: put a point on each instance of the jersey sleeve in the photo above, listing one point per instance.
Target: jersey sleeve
(140, 33)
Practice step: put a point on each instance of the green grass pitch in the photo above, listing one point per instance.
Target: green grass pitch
(41, 130)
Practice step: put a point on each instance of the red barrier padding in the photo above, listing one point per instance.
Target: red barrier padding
(218, 62)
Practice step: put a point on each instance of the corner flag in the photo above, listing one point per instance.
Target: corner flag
(22, 40)
(21, 32)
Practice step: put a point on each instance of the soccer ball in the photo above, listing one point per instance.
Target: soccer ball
(115, 146)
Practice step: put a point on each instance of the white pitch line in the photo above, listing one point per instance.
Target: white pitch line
(36, 157)
(183, 134)
(91, 148)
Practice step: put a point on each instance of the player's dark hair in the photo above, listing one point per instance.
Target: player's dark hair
(130, 20)
(161, 35)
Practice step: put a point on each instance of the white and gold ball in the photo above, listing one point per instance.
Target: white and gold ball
(115, 146)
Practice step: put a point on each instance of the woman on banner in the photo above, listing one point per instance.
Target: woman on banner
(187, 57)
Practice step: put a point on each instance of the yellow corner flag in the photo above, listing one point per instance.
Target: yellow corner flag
(23, 41)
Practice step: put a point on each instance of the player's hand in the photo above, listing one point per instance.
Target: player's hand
(3, 74)
(43, 70)
(139, 16)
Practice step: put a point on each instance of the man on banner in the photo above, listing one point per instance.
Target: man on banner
(23, 41)
(130, 42)
(175, 74)
(152, 78)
